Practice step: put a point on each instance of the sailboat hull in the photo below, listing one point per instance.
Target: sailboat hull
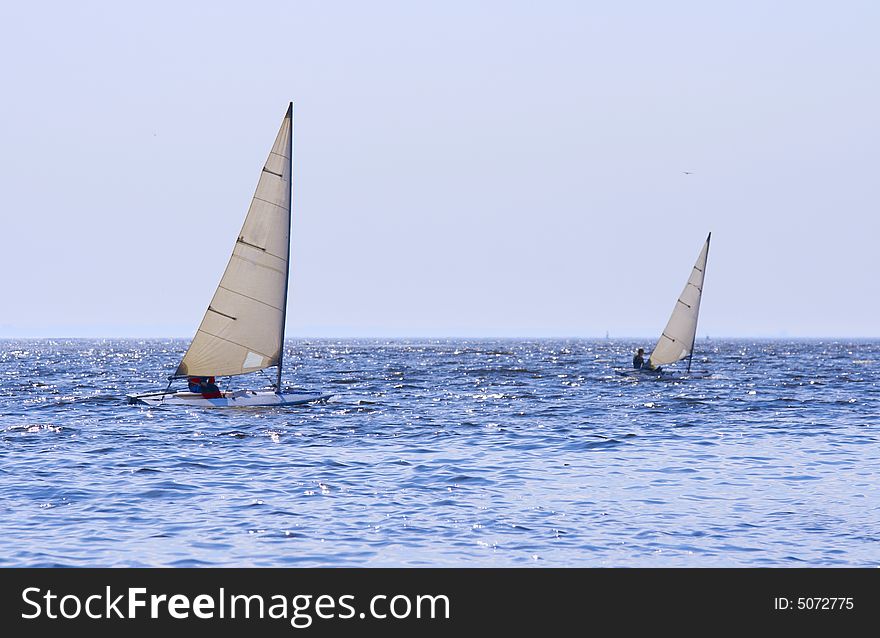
(664, 375)
(643, 374)
(235, 399)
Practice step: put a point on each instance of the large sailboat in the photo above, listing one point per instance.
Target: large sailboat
(243, 328)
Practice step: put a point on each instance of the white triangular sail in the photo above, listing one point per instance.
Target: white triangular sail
(677, 340)
(243, 328)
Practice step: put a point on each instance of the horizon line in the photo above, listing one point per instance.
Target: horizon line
(467, 337)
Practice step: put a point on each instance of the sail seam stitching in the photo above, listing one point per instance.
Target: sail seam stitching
(235, 292)
(248, 348)
(270, 203)
(259, 265)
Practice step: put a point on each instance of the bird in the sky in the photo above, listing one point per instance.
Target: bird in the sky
(688, 172)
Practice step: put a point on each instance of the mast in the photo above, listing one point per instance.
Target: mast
(289, 239)
(694, 345)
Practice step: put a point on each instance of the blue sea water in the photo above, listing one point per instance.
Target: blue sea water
(446, 453)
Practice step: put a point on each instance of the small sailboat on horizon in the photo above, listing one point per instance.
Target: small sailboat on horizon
(677, 340)
(242, 331)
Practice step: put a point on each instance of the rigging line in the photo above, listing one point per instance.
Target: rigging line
(168, 387)
(268, 379)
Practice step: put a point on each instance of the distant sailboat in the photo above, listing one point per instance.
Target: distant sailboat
(243, 328)
(677, 339)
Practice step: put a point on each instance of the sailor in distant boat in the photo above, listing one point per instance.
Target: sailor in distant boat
(639, 363)
(639, 359)
(204, 386)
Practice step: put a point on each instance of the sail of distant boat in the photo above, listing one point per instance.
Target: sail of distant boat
(242, 330)
(677, 339)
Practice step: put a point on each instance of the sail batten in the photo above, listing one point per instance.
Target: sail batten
(243, 328)
(677, 339)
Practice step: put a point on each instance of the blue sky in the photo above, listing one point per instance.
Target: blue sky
(461, 168)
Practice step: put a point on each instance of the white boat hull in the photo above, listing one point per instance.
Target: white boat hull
(233, 399)
(664, 375)
(643, 374)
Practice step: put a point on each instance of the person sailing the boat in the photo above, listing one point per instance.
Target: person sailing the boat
(639, 362)
(639, 359)
(205, 386)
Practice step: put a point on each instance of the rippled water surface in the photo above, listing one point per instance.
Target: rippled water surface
(446, 453)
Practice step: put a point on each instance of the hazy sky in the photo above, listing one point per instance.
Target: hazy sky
(461, 168)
